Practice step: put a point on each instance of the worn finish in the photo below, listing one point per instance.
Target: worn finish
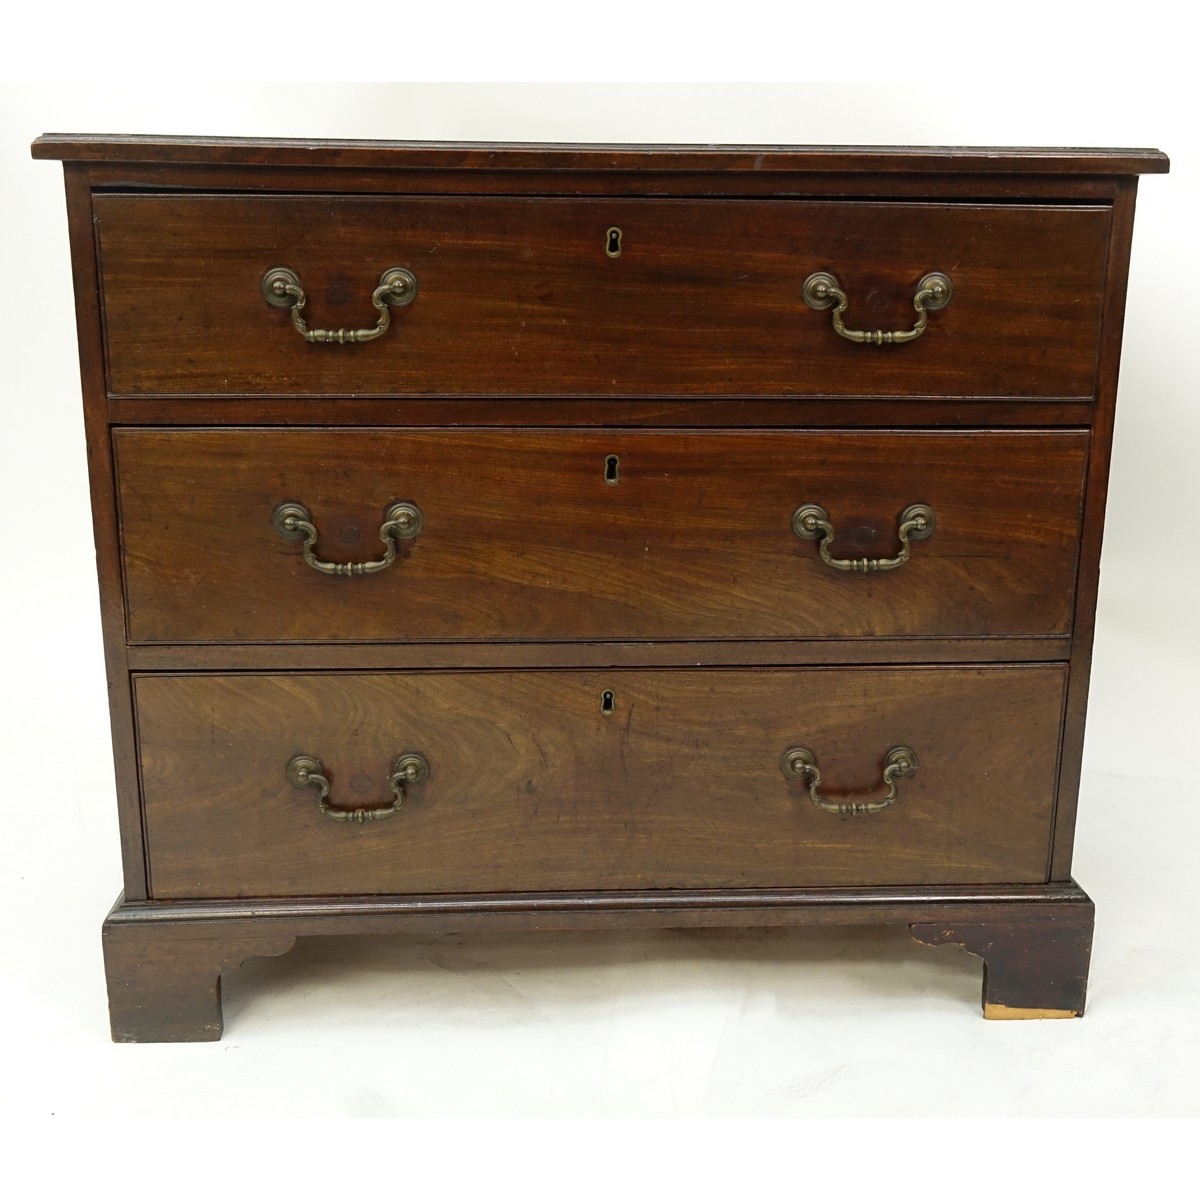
(587, 625)
(182, 946)
(900, 762)
(522, 537)
(518, 297)
(164, 983)
(1032, 968)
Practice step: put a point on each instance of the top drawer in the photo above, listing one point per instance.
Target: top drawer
(597, 297)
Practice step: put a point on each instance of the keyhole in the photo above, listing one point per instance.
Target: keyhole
(612, 469)
(607, 703)
(612, 245)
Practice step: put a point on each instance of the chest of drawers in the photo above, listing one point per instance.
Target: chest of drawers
(565, 537)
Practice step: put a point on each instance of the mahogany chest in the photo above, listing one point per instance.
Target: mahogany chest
(588, 536)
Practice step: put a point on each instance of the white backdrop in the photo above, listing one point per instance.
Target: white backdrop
(640, 1023)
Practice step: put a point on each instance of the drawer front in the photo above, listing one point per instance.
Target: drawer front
(524, 297)
(603, 535)
(532, 787)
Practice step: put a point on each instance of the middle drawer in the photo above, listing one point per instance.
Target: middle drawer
(237, 535)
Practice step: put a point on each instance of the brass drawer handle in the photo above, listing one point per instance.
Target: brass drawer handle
(293, 521)
(397, 286)
(811, 521)
(801, 763)
(822, 290)
(409, 769)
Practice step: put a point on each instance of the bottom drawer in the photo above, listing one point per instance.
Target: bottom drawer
(622, 779)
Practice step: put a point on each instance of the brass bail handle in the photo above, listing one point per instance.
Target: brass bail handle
(410, 769)
(397, 287)
(916, 523)
(401, 521)
(822, 290)
(800, 762)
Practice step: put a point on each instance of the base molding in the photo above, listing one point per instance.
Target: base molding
(164, 959)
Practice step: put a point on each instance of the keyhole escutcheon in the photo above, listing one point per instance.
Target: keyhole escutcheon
(607, 703)
(612, 242)
(612, 469)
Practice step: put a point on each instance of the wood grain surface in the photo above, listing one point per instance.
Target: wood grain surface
(518, 297)
(480, 158)
(524, 539)
(533, 788)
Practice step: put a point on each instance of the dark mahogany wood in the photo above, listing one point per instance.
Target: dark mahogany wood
(1032, 967)
(893, 412)
(485, 156)
(106, 530)
(150, 177)
(525, 537)
(1024, 931)
(1096, 497)
(164, 981)
(370, 656)
(528, 357)
(533, 788)
(518, 296)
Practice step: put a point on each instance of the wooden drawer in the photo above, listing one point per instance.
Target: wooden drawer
(520, 297)
(600, 535)
(532, 787)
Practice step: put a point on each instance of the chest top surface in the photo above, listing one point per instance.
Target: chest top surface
(280, 152)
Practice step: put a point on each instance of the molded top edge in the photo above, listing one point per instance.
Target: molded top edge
(507, 156)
